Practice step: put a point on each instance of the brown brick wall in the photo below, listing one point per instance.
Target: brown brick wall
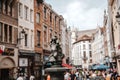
(45, 22)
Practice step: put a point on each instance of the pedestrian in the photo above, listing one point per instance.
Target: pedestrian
(32, 77)
(48, 77)
(73, 76)
(77, 74)
(20, 77)
(67, 76)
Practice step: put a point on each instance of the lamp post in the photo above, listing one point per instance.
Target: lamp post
(18, 39)
(22, 32)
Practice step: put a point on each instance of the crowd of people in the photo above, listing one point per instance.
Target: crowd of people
(21, 77)
(91, 75)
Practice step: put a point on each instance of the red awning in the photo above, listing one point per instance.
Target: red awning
(67, 65)
(1, 51)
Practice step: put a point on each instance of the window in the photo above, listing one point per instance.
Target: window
(38, 38)
(26, 39)
(32, 38)
(15, 34)
(55, 21)
(83, 46)
(45, 14)
(90, 60)
(45, 34)
(50, 34)
(20, 9)
(31, 15)
(90, 53)
(10, 9)
(37, 57)
(26, 13)
(59, 24)
(50, 16)
(84, 54)
(5, 32)
(37, 17)
(89, 46)
(10, 34)
(6, 7)
(1, 28)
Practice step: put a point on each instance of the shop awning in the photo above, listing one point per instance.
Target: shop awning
(67, 65)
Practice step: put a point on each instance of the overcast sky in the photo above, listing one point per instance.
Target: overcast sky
(83, 14)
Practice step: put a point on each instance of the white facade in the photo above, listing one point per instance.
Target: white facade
(80, 49)
(113, 10)
(26, 22)
(98, 47)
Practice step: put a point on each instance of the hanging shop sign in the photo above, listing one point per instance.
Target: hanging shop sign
(23, 62)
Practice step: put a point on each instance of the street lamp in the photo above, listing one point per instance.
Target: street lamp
(22, 32)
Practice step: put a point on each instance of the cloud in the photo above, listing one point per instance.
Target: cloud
(84, 14)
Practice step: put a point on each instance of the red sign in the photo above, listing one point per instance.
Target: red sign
(2, 49)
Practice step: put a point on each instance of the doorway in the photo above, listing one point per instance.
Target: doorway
(4, 74)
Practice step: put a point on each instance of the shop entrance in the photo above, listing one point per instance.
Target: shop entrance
(4, 74)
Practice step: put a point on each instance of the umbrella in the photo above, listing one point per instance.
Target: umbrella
(100, 67)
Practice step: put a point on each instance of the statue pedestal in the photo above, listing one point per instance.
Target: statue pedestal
(56, 73)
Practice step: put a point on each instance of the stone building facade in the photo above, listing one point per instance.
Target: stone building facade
(8, 39)
(26, 37)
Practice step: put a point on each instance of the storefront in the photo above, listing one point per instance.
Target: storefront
(118, 63)
(26, 62)
(8, 62)
(38, 66)
(7, 66)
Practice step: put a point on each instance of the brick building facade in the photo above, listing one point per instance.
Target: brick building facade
(46, 25)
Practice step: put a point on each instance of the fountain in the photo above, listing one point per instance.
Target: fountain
(56, 70)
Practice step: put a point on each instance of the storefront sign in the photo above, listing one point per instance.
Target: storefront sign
(9, 51)
(23, 62)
